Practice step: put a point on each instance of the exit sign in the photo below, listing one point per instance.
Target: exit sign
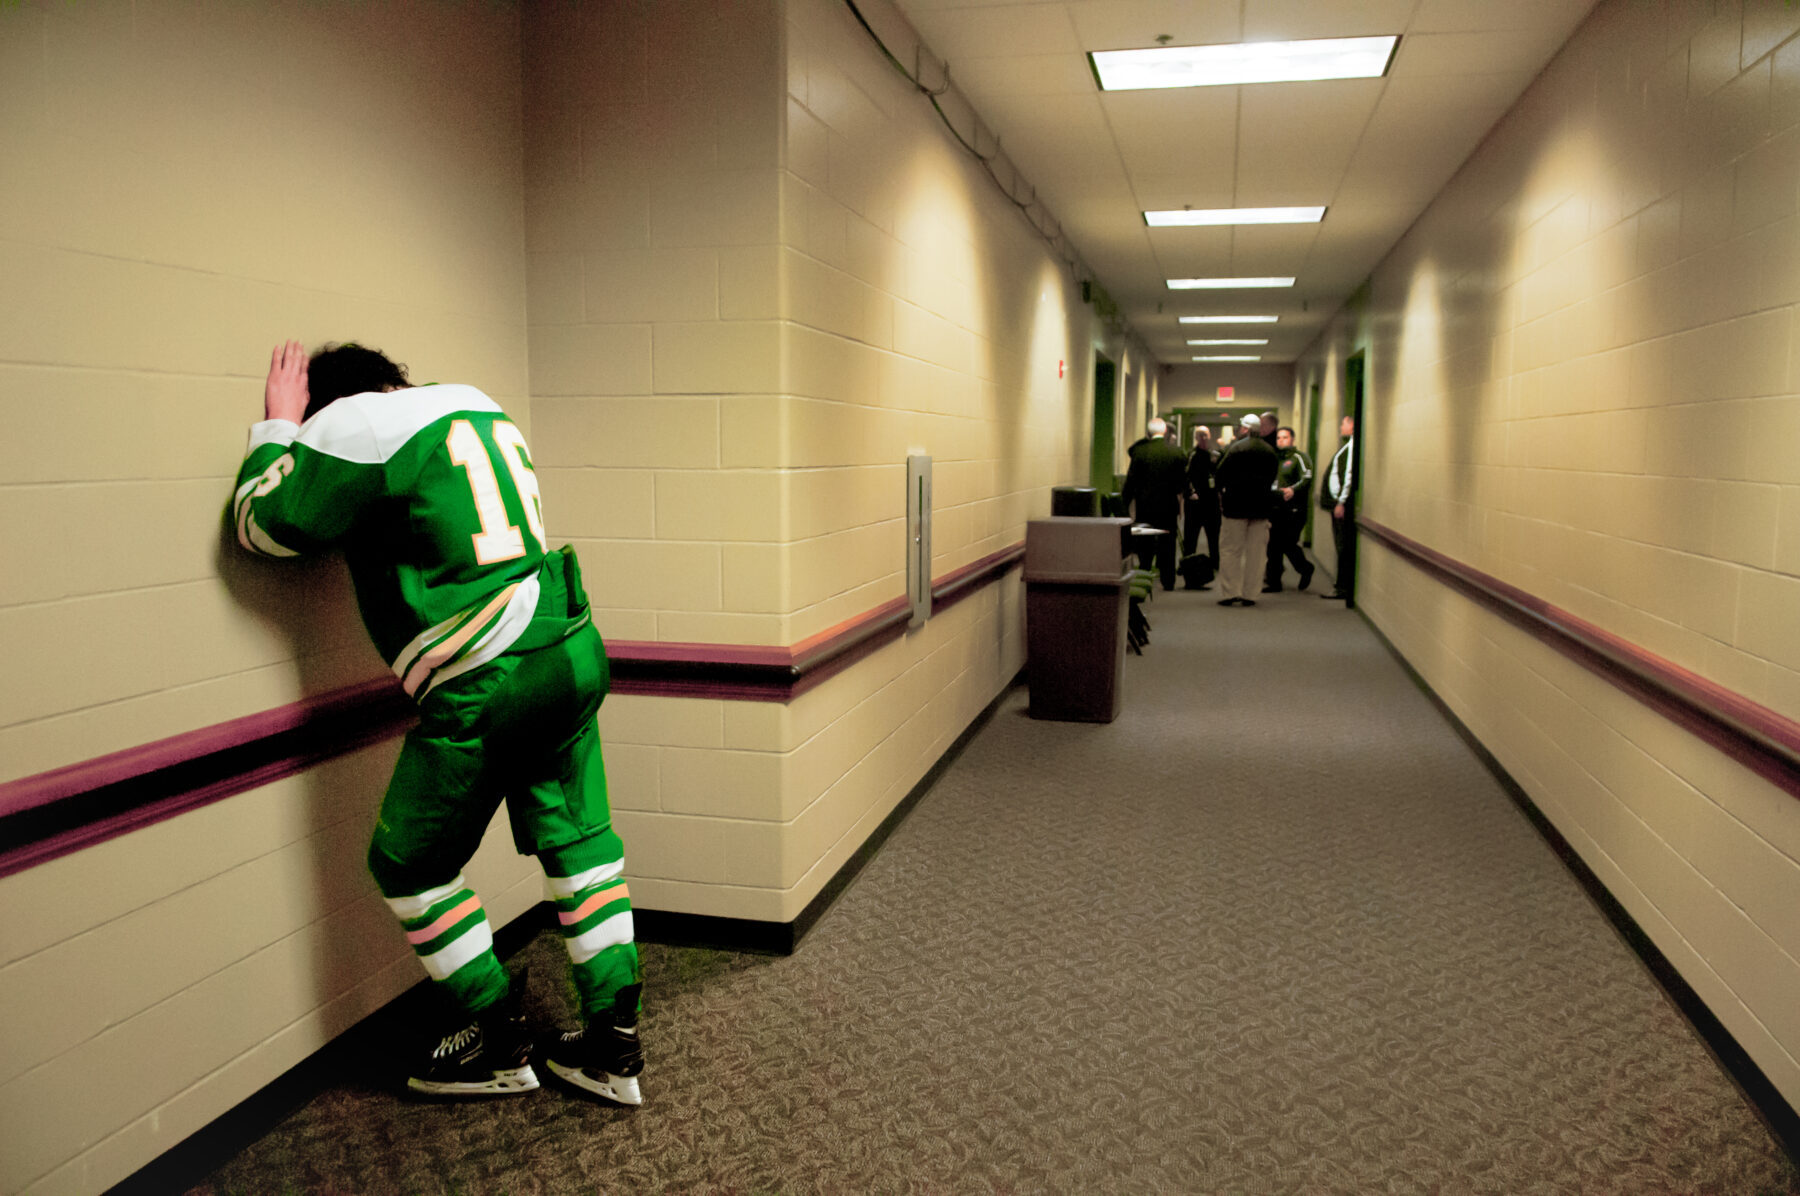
(1226, 392)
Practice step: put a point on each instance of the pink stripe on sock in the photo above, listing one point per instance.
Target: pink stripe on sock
(569, 918)
(426, 933)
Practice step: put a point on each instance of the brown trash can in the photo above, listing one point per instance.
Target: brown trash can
(1077, 591)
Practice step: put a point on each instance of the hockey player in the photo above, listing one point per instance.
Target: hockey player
(430, 494)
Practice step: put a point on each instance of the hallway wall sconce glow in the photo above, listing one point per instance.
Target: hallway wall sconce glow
(1243, 62)
(1227, 319)
(1222, 284)
(1195, 217)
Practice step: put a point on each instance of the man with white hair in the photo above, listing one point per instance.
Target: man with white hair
(1246, 487)
(1154, 484)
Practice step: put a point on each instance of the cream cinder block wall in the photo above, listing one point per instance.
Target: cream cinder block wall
(761, 276)
(1583, 379)
(181, 187)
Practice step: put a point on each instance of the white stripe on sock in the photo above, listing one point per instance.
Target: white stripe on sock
(613, 932)
(408, 908)
(564, 887)
(441, 965)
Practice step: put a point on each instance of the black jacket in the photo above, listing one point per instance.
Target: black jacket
(1295, 471)
(1200, 474)
(1247, 478)
(1156, 481)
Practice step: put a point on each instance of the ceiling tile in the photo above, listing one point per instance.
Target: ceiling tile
(1296, 140)
(1193, 187)
(1507, 51)
(1001, 32)
(1136, 24)
(1301, 114)
(1023, 75)
(1440, 16)
(1194, 131)
(1271, 248)
(1271, 20)
(1068, 127)
(915, 9)
(1190, 252)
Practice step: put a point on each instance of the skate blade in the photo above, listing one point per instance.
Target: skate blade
(621, 1090)
(513, 1081)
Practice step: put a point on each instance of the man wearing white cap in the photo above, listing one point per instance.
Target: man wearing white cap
(1246, 484)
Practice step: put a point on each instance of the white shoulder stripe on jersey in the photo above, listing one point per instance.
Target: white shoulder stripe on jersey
(368, 429)
(271, 431)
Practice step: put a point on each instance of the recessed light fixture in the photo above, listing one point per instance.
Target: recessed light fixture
(1221, 284)
(1186, 217)
(1227, 359)
(1244, 62)
(1231, 342)
(1228, 319)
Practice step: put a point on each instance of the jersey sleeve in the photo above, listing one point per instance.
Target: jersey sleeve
(292, 498)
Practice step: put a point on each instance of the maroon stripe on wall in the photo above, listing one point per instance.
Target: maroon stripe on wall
(380, 701)
(57, 812)
(1764, 741)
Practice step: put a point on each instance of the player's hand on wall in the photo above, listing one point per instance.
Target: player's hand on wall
(284, 394)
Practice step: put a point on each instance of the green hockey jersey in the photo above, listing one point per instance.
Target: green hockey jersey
(430, 494)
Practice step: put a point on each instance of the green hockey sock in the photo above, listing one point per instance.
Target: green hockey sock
(449, 931)
(593, 909)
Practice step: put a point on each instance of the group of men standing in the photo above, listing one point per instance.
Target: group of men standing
(1250, 499)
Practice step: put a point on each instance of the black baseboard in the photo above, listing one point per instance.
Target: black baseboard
(1782, 1120)
(783, 938)
(349, 1054)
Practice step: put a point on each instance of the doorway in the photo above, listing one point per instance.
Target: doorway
(1105, 442)
(1354, 372)
(1312, 454)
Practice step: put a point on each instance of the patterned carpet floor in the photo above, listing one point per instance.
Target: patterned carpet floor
(1275, 930)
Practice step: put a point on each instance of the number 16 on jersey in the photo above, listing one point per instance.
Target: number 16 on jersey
(499, 538)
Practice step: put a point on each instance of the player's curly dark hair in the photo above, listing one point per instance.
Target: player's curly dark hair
(349, 369)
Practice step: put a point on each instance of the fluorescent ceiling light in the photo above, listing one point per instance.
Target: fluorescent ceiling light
(1230, 342)
(1186, 217)
(1228, 319)
(1219, 284)
(1227, 359)
(1244, 62)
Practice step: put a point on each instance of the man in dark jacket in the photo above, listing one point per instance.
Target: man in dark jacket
(1153, 487)
(1246, 491)
(1201, 510)
(1293, 486)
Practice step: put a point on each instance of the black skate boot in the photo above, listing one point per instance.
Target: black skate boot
(491, 1056)
(604, 1057)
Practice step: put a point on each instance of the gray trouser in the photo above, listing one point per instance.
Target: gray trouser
(1244, 549)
